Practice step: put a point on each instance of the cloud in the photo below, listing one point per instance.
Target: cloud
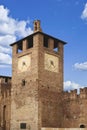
(3, 13)
(11, 26)
(5, 66)
(5, 59)
(5, 40)
(84, 13)
(81, 66)
(5, 50)
(10, 31)
(69, 85)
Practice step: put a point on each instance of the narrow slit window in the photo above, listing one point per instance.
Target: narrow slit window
(6, 80)
(23, 82)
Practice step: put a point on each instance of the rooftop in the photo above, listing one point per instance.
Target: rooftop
(38, 30)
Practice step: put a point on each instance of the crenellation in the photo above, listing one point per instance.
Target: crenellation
(66, 95)
(73, 95)
(83, 90)
(83, 93)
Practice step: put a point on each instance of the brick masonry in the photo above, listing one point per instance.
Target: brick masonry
(34, 97)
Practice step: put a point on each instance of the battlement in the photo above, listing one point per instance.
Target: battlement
(5, 79)
(5, 86)
(72, 95)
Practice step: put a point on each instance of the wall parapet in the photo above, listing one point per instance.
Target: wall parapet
(72, 95)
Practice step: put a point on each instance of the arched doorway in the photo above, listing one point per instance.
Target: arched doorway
(82, 126)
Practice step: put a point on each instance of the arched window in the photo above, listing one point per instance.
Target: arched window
(82, 126)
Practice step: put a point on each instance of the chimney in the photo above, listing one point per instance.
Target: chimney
(37, 26)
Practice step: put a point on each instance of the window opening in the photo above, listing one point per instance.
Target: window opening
(29, 42)
(23, 82)
(82, 126)
(55, 46)
(45, 42)
(22, 125)
(20, 47)
(6, 80)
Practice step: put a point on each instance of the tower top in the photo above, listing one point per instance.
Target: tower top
(37, 26)
(37, 30)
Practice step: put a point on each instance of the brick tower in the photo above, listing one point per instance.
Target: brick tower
(37, 81)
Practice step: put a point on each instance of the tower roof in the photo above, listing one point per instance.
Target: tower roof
(39, 32)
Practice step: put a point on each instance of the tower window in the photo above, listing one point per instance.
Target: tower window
(55, 46)
(45, 42)
(22, 125)
(23, 82)
(82, 126)
(29, 42)
(20, 47)
(6, 80)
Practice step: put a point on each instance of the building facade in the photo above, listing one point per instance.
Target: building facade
(34, 97)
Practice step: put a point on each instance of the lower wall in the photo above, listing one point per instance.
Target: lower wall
(51, 112)
(74, 113)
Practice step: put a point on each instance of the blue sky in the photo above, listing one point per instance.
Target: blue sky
(64, 19)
